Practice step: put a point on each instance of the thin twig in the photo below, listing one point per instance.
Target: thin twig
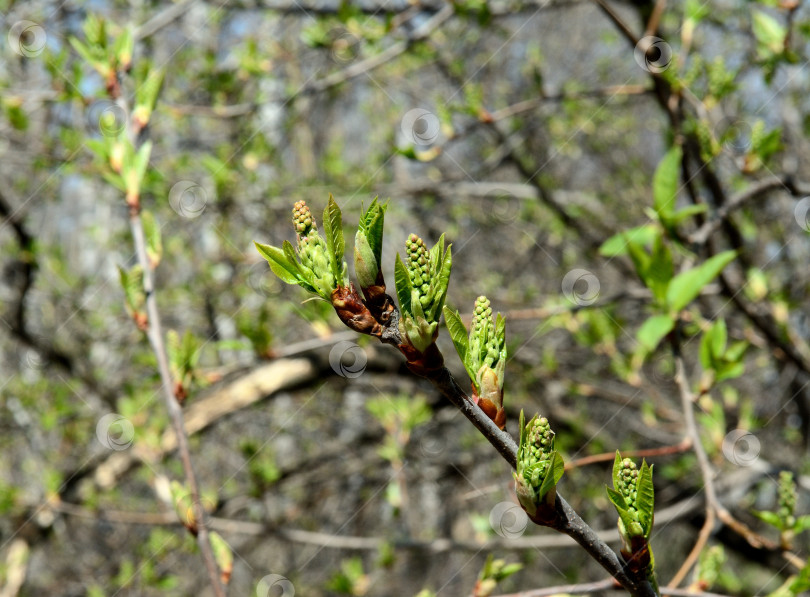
(618, 22)
(678, 448)
(655, 18)
(155, 335)
(581, 589)
(596, 587)
(707, 474)
(701, 235)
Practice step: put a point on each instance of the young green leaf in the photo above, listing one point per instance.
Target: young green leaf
(458, 333)
(151, 231)
(402, 281)
(371, 225)
(802, 524)
(645, 500)
(142, 160)
(366, 266)
(333, 228)
(665, 183)
(769, 33)
(653, 330)
(617, 244)
(687, 212)
(122, 50)
(771, 518)
(616, 498)
(660, 270)
(222, 554)
(719, 337)
(554, 473)
(285, 269)
(687, 285)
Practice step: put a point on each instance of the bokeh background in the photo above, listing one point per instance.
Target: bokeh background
(528, 132)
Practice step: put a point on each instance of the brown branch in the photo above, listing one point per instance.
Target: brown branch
(618, 22)
(381, 319)
(678, 448)
(655, 18)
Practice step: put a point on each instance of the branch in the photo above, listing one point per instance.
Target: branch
(701, 235)
(706, 472)
(429, 364)
(155, 335)
(598, 586)
(678, 448)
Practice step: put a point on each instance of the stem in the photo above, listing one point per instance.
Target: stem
(567, 520)
(155, 335)
(687, 402)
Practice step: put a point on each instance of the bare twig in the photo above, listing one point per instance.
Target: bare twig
(581, 589)
(701, 235)
(678, 448)
(596, 587)
(707, 474)
(737, 484)
(162, 19)
(618, 22)
(655, 17)
(155, 335)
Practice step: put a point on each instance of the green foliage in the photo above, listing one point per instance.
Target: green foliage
(686, 286)
(315, 265)
(795, 585)
(653, 330)
(262, 466)
(350, 579)
(539, 466)
(399, 416)
(719, 360)
(633, 497)
(493, 572)
(710, 566)
(134, 296)
(784, 518)
(483, 349)
(368, 244)
(154, 243)
(184, 353)
(421, 285)
(665, 184)
(222, 554)
(148, 82)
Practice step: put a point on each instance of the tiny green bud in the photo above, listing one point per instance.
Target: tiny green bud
(539, 467)
(302, 219)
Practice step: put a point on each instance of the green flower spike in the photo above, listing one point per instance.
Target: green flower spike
(633, 496)
(483, 352)
(317, 265)
(421, 289)
(539, 468)
(784, 517)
